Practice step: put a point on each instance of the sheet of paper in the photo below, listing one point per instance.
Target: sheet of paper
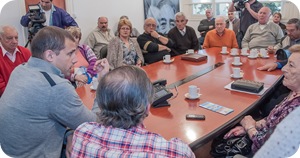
(216, 108)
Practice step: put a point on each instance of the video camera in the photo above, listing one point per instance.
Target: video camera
(239, 4)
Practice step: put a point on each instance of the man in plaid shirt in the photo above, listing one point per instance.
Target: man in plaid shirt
(124, 97)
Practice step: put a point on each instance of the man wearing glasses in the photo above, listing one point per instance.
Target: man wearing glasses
(99, 38)
(153, 44)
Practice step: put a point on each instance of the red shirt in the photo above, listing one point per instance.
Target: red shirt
(7, 66)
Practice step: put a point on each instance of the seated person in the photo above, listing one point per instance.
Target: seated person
(206, 25)
(99, 38)
(11, 54)
(220, 36)
(183, 36)
(86, 58)
(258, 131)
(233, 23)
(123, 50)
(276, 20)
(263, 33)
(134, 31)
(153, 44)
(285, 140)
(293, 36)
(124, 96)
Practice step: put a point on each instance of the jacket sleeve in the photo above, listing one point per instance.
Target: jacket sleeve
(112, 51)
(2, 85)
(246, 39)
(25, 20)
(195, 42)
(91, 59)
(138, 50)
(202, 27)
(206, 41)
(147, 44)
(67, 20)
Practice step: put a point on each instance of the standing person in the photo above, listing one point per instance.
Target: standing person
(124, 50)
(124, 96)
(220, 36)
(11, 54)
(248, 17)
(39, 104)
(233, 23)
(86, 58)
(54, 16)
(154, 44)
(183, 36)
(206, 25)
(99, 38)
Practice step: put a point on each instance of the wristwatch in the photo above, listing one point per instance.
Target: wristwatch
(158, 36)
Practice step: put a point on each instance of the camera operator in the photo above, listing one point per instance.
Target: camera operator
(248, 12)
(54, 16)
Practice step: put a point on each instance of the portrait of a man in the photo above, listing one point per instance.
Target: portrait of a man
(163, 11)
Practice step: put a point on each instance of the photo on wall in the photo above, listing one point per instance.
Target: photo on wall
(163, 11)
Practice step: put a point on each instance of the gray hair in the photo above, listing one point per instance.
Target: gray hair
(295, 21)
(4, 27)
(221, 18)
(179, 14)
(123, 96)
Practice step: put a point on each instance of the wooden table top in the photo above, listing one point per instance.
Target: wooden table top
(170, 121)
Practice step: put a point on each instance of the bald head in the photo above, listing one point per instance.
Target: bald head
(9, 38)
(263, 15)
(209, 13)
(103, 23)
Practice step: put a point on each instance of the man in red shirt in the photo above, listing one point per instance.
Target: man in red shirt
(11, 55)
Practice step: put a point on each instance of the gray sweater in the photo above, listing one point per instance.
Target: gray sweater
(256, 37)
(34, 115)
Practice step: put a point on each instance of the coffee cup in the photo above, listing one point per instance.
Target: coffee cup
(244, 50)
(193, 91)
(190, 51)
(95, 83)
(224, 49)
(234, 51)
(253, 52)
(236, 72)
(263, 52)
(167, 58)
(236, 60)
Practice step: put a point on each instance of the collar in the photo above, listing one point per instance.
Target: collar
(264, 24)
(210, 19)
(222, 32)
(184, 29)
(4, 52)
(43, 65)
(52, 8)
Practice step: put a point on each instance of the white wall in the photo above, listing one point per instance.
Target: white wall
(86, 13)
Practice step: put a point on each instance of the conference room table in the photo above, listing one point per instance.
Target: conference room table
(210, 76)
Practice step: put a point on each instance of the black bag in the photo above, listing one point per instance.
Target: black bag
(229, 147)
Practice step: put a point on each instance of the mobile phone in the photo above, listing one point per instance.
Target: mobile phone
(195, 117)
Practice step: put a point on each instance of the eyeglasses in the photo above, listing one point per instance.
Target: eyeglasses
(149, 25)
(125, 28)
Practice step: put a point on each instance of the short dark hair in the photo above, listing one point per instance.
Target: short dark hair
(279, 14)
(49, 38)
(295, 21)
(123, 96)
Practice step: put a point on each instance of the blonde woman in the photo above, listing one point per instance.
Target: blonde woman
(123, 50)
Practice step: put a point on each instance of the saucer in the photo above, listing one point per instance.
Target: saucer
(168, 62)
(237, 64)
(92, 88)
(241, 76)
(252, 57)
(224, 52)
(188, 96)
(244, 54)
(234, 54)
(265, 57)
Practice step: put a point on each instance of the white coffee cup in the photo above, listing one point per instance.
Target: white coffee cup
(193, 91)
(167, 57)
(224, 49)
(236, 60)
(253, 52)
(236, 72)
(95, 83)
(244, 50)
(190, 51)
(263, 52)
(234, 51)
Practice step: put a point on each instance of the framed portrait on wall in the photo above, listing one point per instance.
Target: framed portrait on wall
(163, 11)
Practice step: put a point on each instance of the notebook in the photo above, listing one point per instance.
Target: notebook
(194, 57)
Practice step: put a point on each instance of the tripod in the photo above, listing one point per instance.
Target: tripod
(240, 34)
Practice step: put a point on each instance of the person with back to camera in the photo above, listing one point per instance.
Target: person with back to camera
(123, 50)
(258, 131)
(124, 96)
(11, 54)
(54, 16)
(86, 58)
(183, 36)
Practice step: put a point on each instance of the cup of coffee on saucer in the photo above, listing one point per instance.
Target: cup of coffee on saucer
(194, 92)
(167, 59)
(236, 61)
(263, 53)
(236, 73)
(224, 50)
(234, 51)
(189, 51)
(244, 52)
(253, 53)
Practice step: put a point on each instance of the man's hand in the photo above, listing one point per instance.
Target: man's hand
(154, 34)
(268, 67)
(210, 27)
(139, 63)
(101, 67)
(81, 78)
(237, 131)
(247, 5)
(271, 49)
